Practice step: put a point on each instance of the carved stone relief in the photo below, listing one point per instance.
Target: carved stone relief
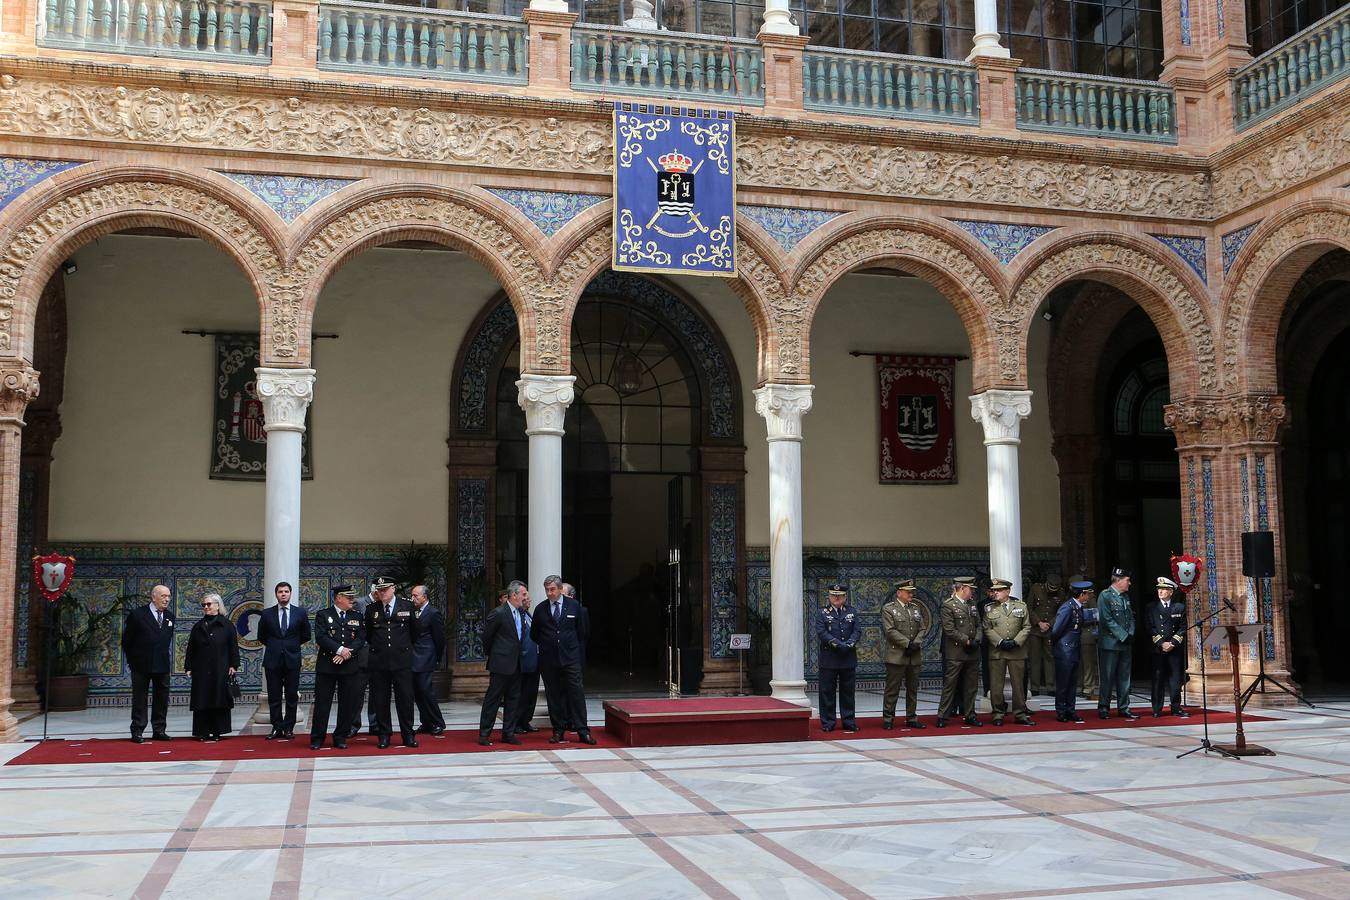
(1255, 419)
(18, 387)
(1298, 157)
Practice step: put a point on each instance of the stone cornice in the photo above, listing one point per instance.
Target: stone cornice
(1214, 423)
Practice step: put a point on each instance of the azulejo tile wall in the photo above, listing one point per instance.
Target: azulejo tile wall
(870, 574)
(235, 571)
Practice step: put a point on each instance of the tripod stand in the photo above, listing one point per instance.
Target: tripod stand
(1205, 743)
(1262, 677)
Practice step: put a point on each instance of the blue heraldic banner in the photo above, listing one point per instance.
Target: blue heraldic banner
(674, 190)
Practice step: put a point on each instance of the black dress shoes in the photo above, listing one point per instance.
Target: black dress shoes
(1126, 714)
(512, 739)
(137, 739)
(384, 741)
(318, 745)
(827, 728)
(974, 722)
(289, 735)
(941, 722)
(437, 730)
(528, 728)
(586, 738)
(340, 743)
(852, 728)
(1181, 714)
(887, 726)
(558, 738)
(409, 741)
(484, 741)
(161, 736)
(1103, 713)
(998, 720)
(914, 723)
(1076, 719)
(275, 735)
(1025, 720)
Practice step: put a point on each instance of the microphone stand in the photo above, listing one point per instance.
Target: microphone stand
(1205, 743)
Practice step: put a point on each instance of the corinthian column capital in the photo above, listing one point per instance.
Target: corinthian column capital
(545, 399)
(18, 387)
(1001, 414)
(286, 395)
(782, 406)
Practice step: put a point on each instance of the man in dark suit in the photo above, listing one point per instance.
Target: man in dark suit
(341, 635)
(391, 631)
(503, 630)
(529, 670)
(559, 630)
(282, 631)
(147, 641)
(427, 654)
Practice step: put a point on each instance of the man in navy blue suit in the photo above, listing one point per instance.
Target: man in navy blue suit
(283, 630)
(427, 653)
(147, 641)
(560, 631)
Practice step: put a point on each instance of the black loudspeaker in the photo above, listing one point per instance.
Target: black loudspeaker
(1258, 554)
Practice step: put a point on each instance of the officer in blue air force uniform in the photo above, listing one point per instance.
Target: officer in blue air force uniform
(838, 630)
(1066, 643)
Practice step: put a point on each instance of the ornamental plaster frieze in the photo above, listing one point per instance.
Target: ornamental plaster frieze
(1215, 423)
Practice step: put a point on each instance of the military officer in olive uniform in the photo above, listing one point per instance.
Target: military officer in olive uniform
(1088, 667)
(341, 636)
(902, 628)
(1007, 625)
(1115, 644)
(961, 636)
(1167, 629)
(1042, 605)
(392, 628)
(838, 630)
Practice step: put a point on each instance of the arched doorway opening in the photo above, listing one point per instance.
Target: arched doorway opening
(653, 483)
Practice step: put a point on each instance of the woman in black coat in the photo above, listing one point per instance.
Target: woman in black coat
(211, 661)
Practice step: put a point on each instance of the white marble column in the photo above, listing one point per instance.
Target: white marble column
(1001, 413)
(555, 6)
(545, 399)
(782, 406)
(778, 19)
(285, 395)
(986, 31)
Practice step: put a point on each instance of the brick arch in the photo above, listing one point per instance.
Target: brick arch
(1262, 280)
(589, 251)
(1169, 292)
(384, 214)
(52, 221)
(942, 255)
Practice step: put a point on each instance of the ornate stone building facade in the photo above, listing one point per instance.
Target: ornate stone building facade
(1216, 223)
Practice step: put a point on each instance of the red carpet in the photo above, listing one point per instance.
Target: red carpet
(106, 750)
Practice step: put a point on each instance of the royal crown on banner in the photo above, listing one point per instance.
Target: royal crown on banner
(674, 190)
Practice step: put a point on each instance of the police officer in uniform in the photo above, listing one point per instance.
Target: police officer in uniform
(902, 627)
(392, 628)
(1007, 625)
(341, 636)
(363, 672)
(1167, 629)
(1066, 638)
(838, 630)
(1115, 644)
(961, 637)
(1044, 602)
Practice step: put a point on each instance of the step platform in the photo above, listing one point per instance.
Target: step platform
(687, 721)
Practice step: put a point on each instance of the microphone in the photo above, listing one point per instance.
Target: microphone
(1231, 607)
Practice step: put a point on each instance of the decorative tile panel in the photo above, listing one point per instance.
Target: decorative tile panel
(24, 577)
(18, 174)
(1211, 554)
(1193, 501)
(1190, 249)
(787, 225)
(1004, 240)
(870, 574)
(499, 329)
(1231, 244)
(289, 195)
(1246, 493)
(1186, 21)
(235, 571)
(723, 541)
(548, 210)
(1218, 9)
(471, 567)
(1267, 585)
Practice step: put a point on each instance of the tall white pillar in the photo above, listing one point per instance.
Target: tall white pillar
(778, 19)
(557, 6)
(545, 399)
(1001, 413)
(986, 31)
(285, 395)
(782, 406)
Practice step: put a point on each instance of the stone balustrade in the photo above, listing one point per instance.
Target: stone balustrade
(883, 84)
(667, 64)
(227, 30)
(1311, 60)
(1084, 104)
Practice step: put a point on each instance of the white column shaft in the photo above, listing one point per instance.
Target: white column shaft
(782, 406)
(549, 5)
(778, 19)
(1001, 413)
(545, 399)
(986, 31)
(285, 395)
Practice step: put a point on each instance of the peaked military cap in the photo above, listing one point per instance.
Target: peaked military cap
(1167, 583)
(906, 585)
(1000, 584)
(344, 590)
(838, 588)
(1079, 587)
(1120, 572)
(379, 584)
(964, 579)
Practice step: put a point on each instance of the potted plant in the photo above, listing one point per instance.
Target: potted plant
(761, 649)
(75, 630)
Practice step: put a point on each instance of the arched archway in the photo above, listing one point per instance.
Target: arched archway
(653, 459)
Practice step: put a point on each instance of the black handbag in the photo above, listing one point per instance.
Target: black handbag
(236, 690)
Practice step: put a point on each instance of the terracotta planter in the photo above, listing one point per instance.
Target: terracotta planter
(68, 692)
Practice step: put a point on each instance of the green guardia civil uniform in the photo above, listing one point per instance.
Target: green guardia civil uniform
(1115, 642)
(1008, 621)
(902, 627)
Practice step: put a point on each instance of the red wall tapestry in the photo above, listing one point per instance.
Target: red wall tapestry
(918, 424)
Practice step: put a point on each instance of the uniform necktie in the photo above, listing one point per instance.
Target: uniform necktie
(342, 616)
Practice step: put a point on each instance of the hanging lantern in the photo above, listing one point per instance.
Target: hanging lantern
(627, 374)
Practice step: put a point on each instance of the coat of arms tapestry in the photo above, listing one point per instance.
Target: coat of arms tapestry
(918, 422)
(239, 442)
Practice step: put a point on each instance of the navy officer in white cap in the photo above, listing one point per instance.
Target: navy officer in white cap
(1167, 630)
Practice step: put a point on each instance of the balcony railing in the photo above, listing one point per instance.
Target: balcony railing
(422, 43)
(1317, 56)
(225, 30)
(1089, 105)
(667, 64)
(879, 84)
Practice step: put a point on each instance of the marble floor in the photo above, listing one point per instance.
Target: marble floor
(986, 813)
